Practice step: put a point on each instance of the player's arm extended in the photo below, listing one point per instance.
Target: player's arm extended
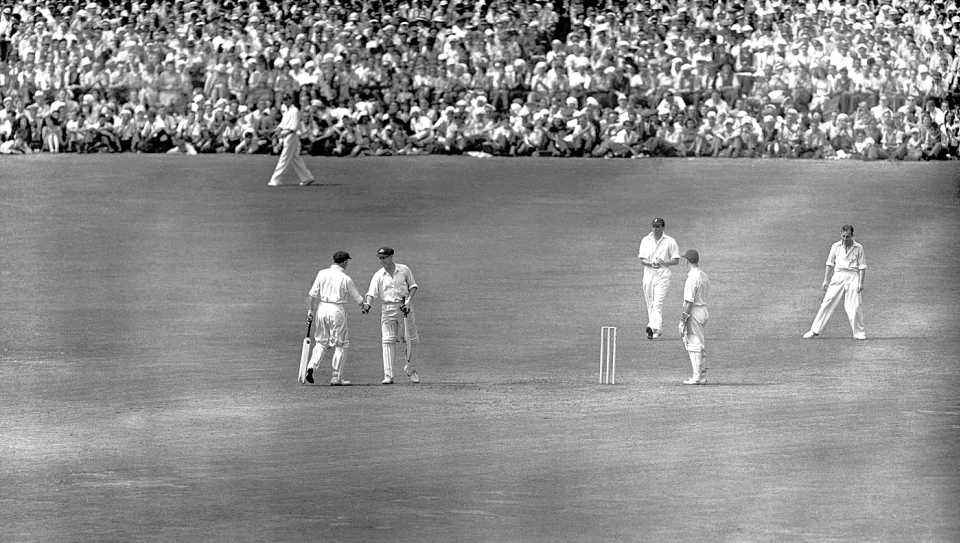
(312, 302)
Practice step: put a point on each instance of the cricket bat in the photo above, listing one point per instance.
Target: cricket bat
(305, 353)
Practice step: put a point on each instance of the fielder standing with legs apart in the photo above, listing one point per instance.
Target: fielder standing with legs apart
(393, 284)
(693, 317)
(842, 280)
(290, 168)
(657, 253)
(331, 289)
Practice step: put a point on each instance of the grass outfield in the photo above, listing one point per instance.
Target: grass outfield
(151, 313)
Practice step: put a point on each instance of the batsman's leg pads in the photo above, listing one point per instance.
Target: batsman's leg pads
(696, 362)
(339, 359)
(316, 356)
(389, 355)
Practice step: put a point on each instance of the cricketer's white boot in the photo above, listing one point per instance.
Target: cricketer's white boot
(699, 376)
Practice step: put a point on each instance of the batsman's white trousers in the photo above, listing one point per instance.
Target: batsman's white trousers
(392, 322)
(843, 286)
(331, 322)
(290, 170)
(693, 336)
(655, 283)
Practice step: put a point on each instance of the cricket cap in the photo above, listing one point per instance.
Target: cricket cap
(385, 251)
(340, 257)
(692, 255)
(659, 222)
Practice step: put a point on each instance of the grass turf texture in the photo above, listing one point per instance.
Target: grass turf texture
(152, 312)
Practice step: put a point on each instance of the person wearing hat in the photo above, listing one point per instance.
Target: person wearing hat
(393, 284)
(657, 253)
(693, 317)
(331, 289)
(290, 166)
(842, 281)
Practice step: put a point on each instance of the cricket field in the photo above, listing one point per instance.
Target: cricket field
(152, 310)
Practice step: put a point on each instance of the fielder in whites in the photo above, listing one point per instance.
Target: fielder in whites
(693, 317)
(291, 169)
(657, 253)
(842, 281)
(331, 289)
(393, 284)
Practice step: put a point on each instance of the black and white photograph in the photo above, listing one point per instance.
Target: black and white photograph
(545, 270)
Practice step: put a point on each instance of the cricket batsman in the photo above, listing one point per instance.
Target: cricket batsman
(393, 284)
(657, 253)
(693, 317)
(331, 289)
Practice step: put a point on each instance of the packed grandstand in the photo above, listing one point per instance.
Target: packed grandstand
(745, 78)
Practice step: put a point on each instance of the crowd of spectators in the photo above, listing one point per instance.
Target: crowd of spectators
(734, 78)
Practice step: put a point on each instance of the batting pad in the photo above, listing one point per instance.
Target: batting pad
(390, 329)
(390, 355)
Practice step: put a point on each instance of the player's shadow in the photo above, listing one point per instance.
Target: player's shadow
(864, 341)
(727, 384)
(310, 186)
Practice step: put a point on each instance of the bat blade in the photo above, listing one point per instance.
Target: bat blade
(305, 355)
(304, 359)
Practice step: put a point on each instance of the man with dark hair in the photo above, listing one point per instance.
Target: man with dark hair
(657, 253)
(290, 166)
(330, 290)
(843, 280)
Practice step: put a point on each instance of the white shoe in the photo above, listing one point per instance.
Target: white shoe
(655, 335)
(862, 337)
(702, 380)
(387, 381)
(810, 334)
(414, 377)
(340, 383)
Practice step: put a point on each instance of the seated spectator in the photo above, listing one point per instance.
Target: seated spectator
(16, 146)
(182, 146)
(174, 65)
